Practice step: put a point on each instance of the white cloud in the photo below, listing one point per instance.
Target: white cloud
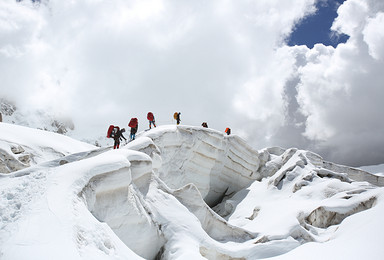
(341, 90)
(223, 62)
(351, 14)
(374, 36)
(324, 99)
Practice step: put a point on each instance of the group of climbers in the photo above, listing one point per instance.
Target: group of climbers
(117, 134)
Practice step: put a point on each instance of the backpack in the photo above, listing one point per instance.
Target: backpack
(133, 123)
(112, 130)
(175, 115)
(150, 116)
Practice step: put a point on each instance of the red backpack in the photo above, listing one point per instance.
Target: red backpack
(112, 130)
(150, 116)
(133, 123)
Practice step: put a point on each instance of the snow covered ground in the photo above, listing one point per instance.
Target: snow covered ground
(374, 169)
(180, 192)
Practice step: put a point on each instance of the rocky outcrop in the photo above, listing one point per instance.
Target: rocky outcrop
(6, 107)
(13, 158)
(43, 119)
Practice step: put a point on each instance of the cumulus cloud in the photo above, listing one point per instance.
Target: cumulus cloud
(331, 98)
(374, 36)
(341, 92)
(224, 62)
(104, 61)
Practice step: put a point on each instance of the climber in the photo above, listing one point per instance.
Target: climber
(204, 124)
(228, 131)
(176, 116)
(118, 135)
(151, 119)
(133, 124)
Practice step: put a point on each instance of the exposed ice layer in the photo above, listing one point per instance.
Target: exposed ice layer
(356, 174)
(277, 166)
(214, 163)
(52, 215)
(147, 146)
(334, 195)
(117, 198)
(214, 225)
(12, 160)
(326, 216)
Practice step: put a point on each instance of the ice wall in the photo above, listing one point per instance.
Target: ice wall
(217, 164)
(117, 198)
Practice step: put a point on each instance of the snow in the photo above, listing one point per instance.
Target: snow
(182, 192)
(21, 147)
(374, 169)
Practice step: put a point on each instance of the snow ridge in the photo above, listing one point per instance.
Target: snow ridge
(181, 192)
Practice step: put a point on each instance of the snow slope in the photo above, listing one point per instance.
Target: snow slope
(180, 192)
(21, 147)
(375, 169)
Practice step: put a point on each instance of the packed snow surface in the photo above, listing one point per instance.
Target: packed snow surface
(179, 192)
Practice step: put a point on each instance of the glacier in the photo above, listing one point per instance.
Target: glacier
(181, 192)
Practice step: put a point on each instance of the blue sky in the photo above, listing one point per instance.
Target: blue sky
(316, 28)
